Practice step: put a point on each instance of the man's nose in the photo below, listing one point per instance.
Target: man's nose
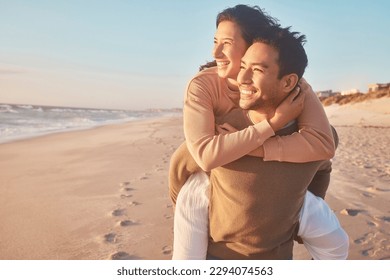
(244, 76)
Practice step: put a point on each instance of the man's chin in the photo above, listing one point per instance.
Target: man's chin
(250, 105)
(244, 105)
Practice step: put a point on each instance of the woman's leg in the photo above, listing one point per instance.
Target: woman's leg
(320, 230)
(190, 230)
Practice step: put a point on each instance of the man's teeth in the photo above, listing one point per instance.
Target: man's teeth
(246, 91)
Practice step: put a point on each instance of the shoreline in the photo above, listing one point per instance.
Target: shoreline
(114, 122)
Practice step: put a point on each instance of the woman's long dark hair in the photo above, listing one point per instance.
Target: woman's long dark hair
(251, 20)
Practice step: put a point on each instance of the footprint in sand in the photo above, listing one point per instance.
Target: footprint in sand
(366, 238)
(134, 203)
(168, 216)
(166, 250)
(166, 158)
(118, 212)
(127, 189)
(383, 218)
(145, 176)
(110, 237)
(372, 224)
(126, 223)
(121, 256)
(367, 252)
(375, 189)
(350, 212)
(123, 184)
(368, 195)
(362, 240)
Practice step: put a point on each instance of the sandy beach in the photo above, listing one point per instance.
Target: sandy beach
(359, 191)
(92, 194)
(102, 193)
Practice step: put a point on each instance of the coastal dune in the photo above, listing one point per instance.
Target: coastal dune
(102, 193)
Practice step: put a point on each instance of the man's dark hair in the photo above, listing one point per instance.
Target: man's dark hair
(289, 45)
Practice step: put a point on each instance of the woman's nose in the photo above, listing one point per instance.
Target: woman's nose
(217, 50)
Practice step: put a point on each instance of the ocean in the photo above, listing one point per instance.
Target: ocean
(26, 121)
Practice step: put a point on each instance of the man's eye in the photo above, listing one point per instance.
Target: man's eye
(258, 70)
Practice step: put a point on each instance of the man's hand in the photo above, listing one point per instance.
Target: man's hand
(288, 110)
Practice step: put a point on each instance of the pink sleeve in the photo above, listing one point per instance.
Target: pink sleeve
(210, 150)
(313, 142)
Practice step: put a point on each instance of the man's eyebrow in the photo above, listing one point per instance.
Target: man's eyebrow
(263, 65)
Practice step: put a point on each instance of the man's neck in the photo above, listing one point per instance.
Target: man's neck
(257, 116)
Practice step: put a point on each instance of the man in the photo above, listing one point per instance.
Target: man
(255, 205)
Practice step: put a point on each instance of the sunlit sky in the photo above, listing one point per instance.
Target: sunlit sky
(127, 54)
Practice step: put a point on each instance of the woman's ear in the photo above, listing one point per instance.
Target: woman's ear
(289, 82)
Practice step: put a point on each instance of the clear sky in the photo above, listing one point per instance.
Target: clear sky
(140, 54)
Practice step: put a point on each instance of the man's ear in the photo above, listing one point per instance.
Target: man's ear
(289, 82)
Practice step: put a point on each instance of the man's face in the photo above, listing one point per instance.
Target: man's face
(229, 47)
(258, 78)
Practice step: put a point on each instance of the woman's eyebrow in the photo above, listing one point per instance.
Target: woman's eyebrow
(225, 38)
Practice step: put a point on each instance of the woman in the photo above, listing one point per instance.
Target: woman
(214, 92)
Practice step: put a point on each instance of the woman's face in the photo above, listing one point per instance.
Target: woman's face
(229, 48)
